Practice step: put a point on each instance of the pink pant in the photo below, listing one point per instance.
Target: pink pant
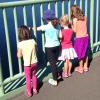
(30, 74)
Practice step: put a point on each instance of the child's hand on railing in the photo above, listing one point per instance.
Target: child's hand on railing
(34, 28)
(70, 24)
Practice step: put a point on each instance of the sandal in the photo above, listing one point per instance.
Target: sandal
(80, 70)
(69, 74)
(86, 69)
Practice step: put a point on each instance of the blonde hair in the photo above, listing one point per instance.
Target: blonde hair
(64, 20)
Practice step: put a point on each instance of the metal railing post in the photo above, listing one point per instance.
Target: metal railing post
(1, 80)
(91, 22)
(8, 42)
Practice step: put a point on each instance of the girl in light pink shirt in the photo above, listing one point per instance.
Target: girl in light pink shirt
(67, 51)
(79, 26)
(27, 50)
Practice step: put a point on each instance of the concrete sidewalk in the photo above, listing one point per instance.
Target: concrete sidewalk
(84, 86)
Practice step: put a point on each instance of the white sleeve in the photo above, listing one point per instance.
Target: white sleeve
(19, 45)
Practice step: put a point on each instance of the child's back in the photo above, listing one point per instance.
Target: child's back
(66, 38)
(81, 27)
(28, 48)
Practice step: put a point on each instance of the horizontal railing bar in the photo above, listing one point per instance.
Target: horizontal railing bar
(11, 85)
(20, 3)
(12, 78)
(96, 54)
(18, 83)
(96, 44)
(19, 76)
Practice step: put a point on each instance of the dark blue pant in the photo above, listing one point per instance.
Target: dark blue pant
(52, 56)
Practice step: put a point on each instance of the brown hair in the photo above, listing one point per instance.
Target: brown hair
(24, 33)
(76, 12)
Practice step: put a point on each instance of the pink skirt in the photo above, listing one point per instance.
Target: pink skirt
(81, 45)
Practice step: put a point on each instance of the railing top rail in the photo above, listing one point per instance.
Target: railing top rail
(20, 3)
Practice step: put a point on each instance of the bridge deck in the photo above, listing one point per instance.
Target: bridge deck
(78, 87)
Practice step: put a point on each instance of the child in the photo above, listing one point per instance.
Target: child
(67, 53)
(27, 49)
(52, 43)
(79, 26)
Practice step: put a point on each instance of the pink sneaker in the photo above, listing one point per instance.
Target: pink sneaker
(34, 91)
(64, 74)
(28, 94)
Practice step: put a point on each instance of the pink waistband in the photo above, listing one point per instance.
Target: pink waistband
(82, 36)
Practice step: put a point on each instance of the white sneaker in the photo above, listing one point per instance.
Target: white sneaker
(52, 82)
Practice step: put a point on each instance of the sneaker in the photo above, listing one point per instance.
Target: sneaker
(34, 91)
(64, 74)
(59, 76)
(28, 94)
(52, 82)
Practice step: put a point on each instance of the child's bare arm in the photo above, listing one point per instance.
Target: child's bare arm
(37, 28)
(19, 53)
(74, 24)
(60, 34)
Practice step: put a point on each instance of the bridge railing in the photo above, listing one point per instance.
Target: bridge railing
(36, 8)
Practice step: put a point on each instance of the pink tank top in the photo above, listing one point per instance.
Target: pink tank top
(66, 38)
(81, 27)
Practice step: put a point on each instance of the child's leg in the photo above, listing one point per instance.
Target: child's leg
(81, 64)
(65, 70)
(86, 62)
(70, 67)
(28, 80)
(86, 65)
(52, 59)
(65, 66)
(53, 81)
(80, 68)
(34, 78)
(52, 54)
(54, 71)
